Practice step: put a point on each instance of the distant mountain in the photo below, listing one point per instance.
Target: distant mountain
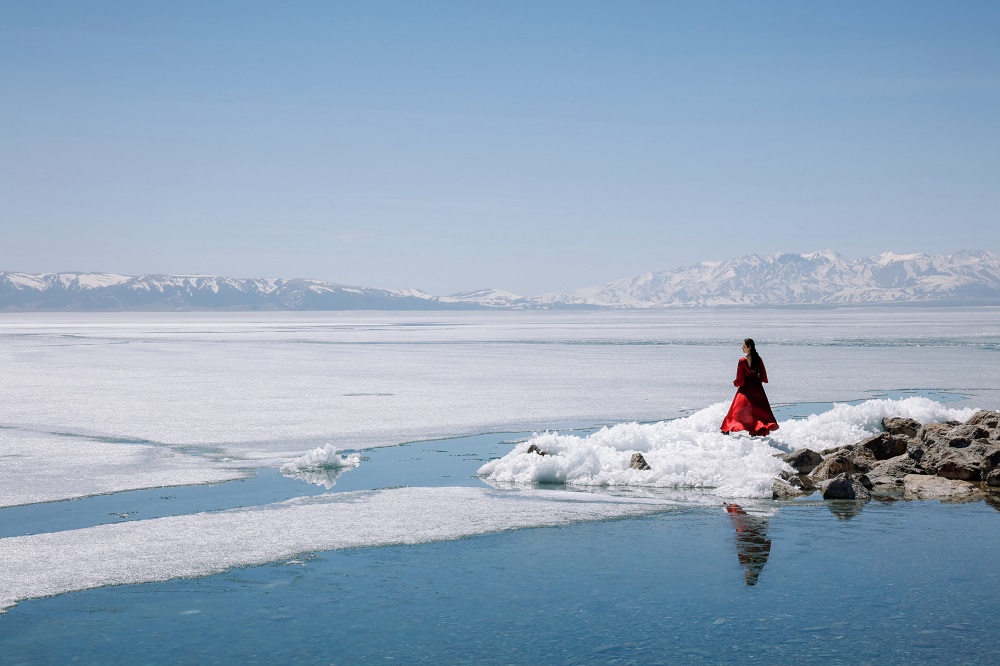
(820, 278)
(103, 291)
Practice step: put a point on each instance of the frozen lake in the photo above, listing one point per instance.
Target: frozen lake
(112, 424)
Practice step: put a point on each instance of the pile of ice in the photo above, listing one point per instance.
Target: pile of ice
(691, 452)
(321, 459)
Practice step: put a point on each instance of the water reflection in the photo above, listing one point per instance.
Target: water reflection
(845, 509)
(326, 478)
(752, 544)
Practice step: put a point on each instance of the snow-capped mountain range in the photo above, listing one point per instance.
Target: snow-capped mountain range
(819, 278)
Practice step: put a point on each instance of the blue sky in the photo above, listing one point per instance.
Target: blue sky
(527, 146)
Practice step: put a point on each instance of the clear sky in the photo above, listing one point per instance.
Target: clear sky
(529, 146)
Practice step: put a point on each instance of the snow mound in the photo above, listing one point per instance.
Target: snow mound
(692, 452)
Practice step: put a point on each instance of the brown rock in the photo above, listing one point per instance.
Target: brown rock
(850, 460)
(896, 468)
(782, 489)
(986, 419)
(803, 460)
(935, 487)
(845, 486)
(965, 463)
(638, 462)
(900, 426)
(885, 445)
(993, 478)
(934, 434)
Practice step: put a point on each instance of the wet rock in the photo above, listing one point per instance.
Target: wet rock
(917, 486)
(782, 489)
(848, 460)
(901, 426)
(638, 462)
(803, 460)
(534, 449)
(885, 445)
(993, 478)
(845, 486)
(915, 452)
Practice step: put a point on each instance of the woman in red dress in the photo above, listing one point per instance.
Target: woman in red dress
(750, 410)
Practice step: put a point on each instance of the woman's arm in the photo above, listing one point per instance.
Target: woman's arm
(741, 373)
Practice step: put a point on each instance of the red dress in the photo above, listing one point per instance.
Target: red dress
(750, 410)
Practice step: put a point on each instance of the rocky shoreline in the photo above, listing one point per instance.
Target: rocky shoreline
(948, 460)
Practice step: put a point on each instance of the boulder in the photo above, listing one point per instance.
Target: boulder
(781, 489)
(917, 486)
(934, 434)
(896, 468)
(638, 462)
(845, 486)
(985, 419)
(964, 463)
(894, 425)
(534, 449)
(885, 445)
(803, 460)
(950, 434)
(993, 478)
(846, 460)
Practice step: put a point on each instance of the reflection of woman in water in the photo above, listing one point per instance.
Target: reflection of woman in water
(750, 410)
(752, 544)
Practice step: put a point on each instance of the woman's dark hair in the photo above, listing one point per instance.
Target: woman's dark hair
(754, 359)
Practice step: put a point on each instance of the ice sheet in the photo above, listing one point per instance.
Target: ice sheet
(201, 544)
(37, 467)
(271, 386)
(691, 452)
(265, 388)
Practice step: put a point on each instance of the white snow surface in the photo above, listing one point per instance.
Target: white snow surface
(691, 452)
(205, 543)
(261, 389)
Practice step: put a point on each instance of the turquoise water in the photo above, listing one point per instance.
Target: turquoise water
(799, 581)
(898, 582)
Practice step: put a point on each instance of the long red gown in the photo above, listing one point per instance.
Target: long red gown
(750, 410)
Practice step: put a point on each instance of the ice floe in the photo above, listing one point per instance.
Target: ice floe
(205, 543)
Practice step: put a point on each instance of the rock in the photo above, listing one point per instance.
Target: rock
(951, 434)
(885, 445)
(534, 449)
(894, 425)
(864, 480)
(933, 434)
(896, 468)
(965, 463)
(850, 460)
(986, 419)
(917, 486)
(781, 489)
(993, 478)
(638, 462)
(845, 486)
(803, 460)
(915, 452)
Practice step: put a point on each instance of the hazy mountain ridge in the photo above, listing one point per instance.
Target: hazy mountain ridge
(804, 279)
(818, 278)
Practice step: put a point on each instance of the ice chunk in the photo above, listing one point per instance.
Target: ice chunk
(200, 544)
